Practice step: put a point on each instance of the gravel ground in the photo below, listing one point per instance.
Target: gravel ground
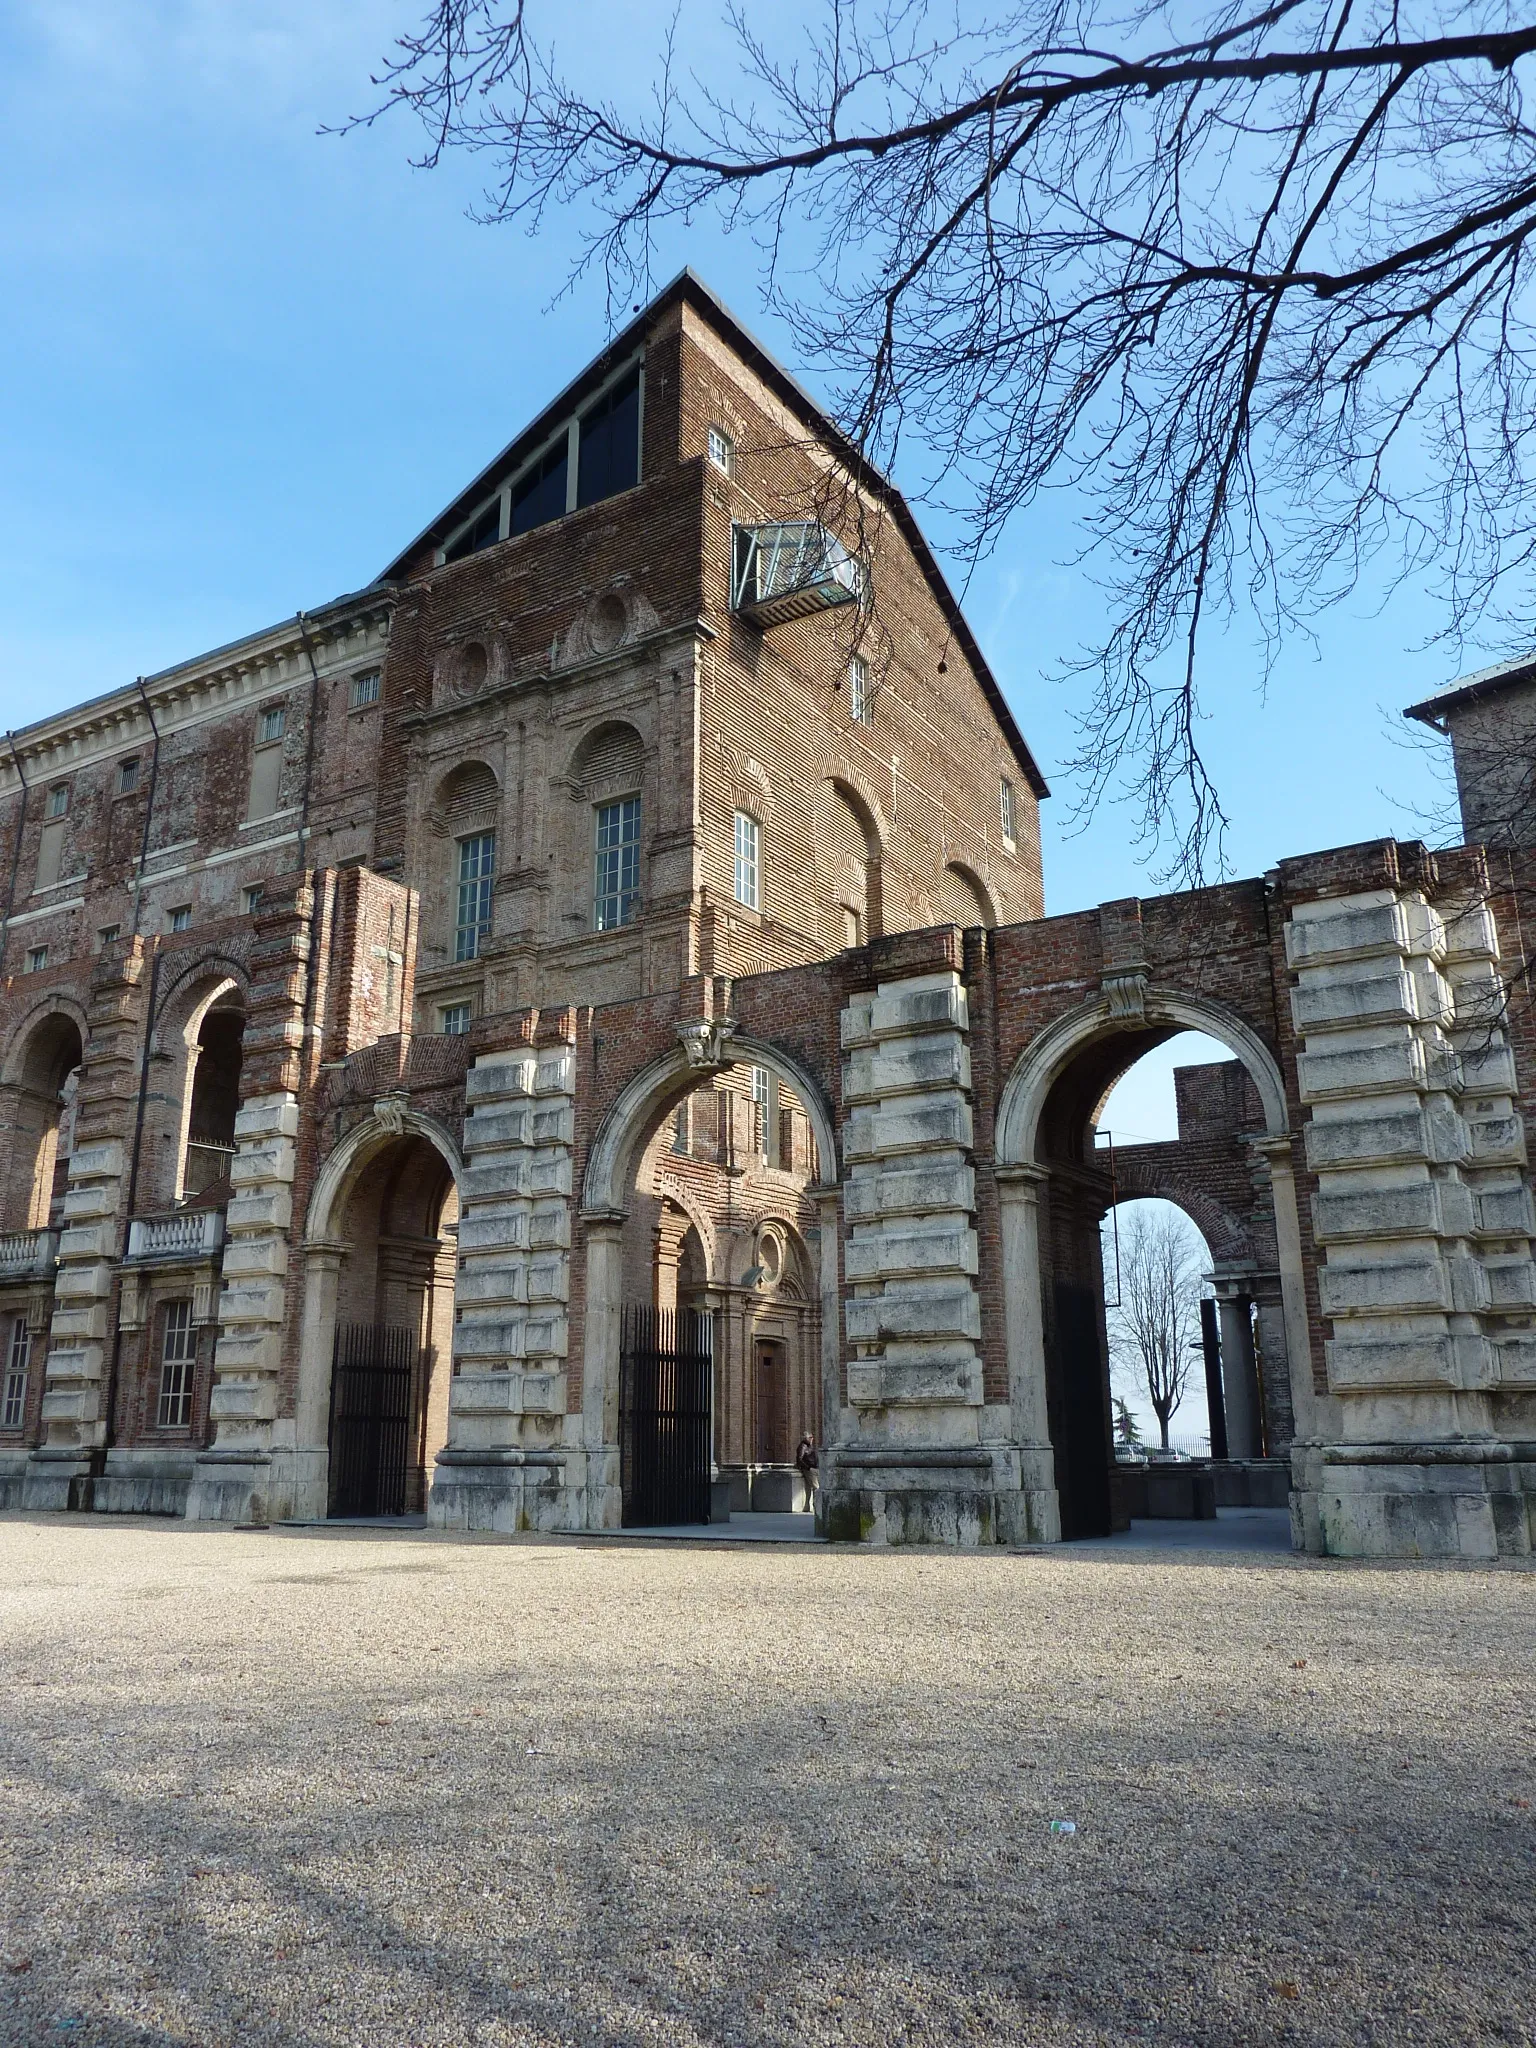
(380, 1789)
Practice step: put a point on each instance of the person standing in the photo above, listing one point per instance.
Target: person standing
(805, 1461)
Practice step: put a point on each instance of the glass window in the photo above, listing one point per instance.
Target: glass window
(761, 1109)
(253, 896)
(682, 1133)
(107, 933)
(610, 442)
(365, 689)
(482, 532)
(18, 1357)
(722, 451)
(472, 921)
(37, 959)
(539, 495)
(746, 860)
(272, 724)
(454, 1018)
(616, 891)
(58, 800)
(127, 776)
(859, 706)
(178, 1355)
(181, 917)
(1005, 802)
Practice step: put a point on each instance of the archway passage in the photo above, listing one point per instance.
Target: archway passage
(41, 1108)
(391, 1341)
(215, 1101)
(1050, 1119)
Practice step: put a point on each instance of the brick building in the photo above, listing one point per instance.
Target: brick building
(629, 908)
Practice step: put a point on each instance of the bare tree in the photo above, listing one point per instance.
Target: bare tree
(1152, 1334)
(1252, 277)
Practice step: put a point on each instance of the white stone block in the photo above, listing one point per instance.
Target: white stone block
(101, 1160)
(932, 1184)
(1397, 1060)
(936, 1309)
(490, 1174)
(496, 1128)
(268, 1116)
(549, 1224)
(243, 1400)
(259, 1209)
(501, 1282)
(1410, 1210)
(902, 1008)
(887, 1254)
(940, 1381)
(494, 1076)
(1322, 1002)
(1417, 1282)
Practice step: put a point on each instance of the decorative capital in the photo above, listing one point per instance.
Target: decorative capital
(389, 1113)
(1126, 993)
(707, 1043)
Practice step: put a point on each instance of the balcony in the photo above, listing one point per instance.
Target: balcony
(183, 1237)
(28, 1254)
(790, 570)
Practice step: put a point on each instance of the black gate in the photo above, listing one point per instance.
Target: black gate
(666, 1371)
(1082, 1442)
(373, 1375)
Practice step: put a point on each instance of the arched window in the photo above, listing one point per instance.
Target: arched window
(466, 813)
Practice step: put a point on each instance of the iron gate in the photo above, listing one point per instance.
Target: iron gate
(373, 1376)
(666, 1373)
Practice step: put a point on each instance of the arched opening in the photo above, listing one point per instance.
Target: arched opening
(606, 783)
(465, 816)
(716, 1181)
(213, 1102)
(849, 856)
(41, 1106)
(1079, 1133)
(377, 1342)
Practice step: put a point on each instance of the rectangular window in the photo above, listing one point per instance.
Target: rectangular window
(454, 1019)
(539, 495)
(127, 776)
(58, 800)
(1005, 803)
(365, 689)
(107, 933)
(181, 918)
(746, 860)
(178, 1356)
(266, 781)
(853, 927)
(859, 706)
(18, 1356)
(616, 888)
(50, 852)
(722, 451)
(252, 898)
(472, 921)
(682, 1135)
(271, 725)
(609, 461)
(37, 959)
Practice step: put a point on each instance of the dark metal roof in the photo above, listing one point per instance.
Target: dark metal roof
(688, 285)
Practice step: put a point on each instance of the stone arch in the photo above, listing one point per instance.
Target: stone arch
(1226, 1237)
(648, 1095)
(37, 1103)
(324, 1250)
(192, 1037)
(1085, 1036)
(607, 761)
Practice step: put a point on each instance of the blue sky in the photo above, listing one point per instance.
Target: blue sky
(242, 363)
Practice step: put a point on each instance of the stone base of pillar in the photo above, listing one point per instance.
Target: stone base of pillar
(13, 1479)
(964, 1498)
(234, 1488)
(1473, 1500)
(144, 1483)
(299, 1485)
(57, 1480)
(512, 1491)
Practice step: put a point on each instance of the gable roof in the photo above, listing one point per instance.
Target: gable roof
(1483, 682)
(688, 286)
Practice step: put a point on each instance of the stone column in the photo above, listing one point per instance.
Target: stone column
(1274, 1355)
(1018, 1194)
(310, 1456)
(604, 1236)
(829, 1209)
(514, 1459)
(1239, 1373)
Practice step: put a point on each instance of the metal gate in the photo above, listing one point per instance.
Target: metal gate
(373, 1386)
(666, 1374)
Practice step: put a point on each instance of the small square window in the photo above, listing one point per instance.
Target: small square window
(722, 450)
(1006, 809)
(181, 917)
(252, 898)
(58, 800)
(272, 725)
(746, 877)
(37, 959)
(455, 1019)
(106, 933)
(859, 706)
(365, 689)
(127, 776)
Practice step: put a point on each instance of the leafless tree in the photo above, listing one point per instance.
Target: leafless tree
(1153, 1332)
(1252, 278)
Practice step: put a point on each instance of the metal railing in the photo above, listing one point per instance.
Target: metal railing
(185, 1234)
